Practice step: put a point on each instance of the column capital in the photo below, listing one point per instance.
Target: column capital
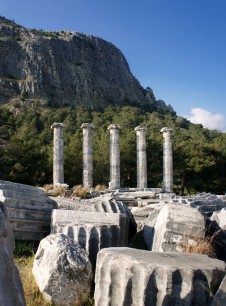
(140, 128)
(166, 129)
(114, 126)
(88, 126)
(57, 124)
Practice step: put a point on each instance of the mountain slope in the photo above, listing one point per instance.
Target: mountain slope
(67, 68)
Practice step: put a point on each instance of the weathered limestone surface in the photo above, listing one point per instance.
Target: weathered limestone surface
(144, 215)
(87, 154)
(220, 218)
(74, 204)
(149, 226)
(141, 157)
(177, 226)
(220, 296)
(126, 276)
(167, 160)
(93, 231)
(58, 153)
(105, 203)
(29, 210)
(11, 291)
(62, 270)
(114, 156)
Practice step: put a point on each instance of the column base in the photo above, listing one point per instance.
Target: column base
(66, 186)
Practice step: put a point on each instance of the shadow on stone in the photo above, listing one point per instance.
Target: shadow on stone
(93, 244)
(219, 238)
(71, 232)
(105, 238)
(151, 291)
(82, 237)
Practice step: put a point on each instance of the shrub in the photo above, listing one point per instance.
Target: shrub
(202, 246)
(100, 187)
(81, 192)
(25, 248)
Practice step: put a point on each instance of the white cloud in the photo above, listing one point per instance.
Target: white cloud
(207, 119)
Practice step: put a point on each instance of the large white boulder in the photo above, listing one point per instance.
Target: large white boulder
(11, 291)
(62, 270)
(220, 218)
(177, 227)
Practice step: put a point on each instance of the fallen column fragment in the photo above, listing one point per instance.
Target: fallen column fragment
(126, 276)
(93, 231)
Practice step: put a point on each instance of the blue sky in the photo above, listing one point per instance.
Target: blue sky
(176, 47)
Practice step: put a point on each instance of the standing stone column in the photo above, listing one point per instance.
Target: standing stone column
(167, 160)
(87, 154)
(114, 156)
(58, 153)
(141, 157)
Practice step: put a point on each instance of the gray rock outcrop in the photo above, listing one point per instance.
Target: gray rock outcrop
(11, 291)
(177, 227)
(62, 270)
(150, 278)
(67, 67)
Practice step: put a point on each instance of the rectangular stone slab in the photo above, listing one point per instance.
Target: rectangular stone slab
(60, 216)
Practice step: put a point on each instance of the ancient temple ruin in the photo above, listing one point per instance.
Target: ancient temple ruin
(58, 156)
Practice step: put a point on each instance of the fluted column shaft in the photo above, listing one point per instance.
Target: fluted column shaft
(114, 156)
(167, 160)
(141, 157)
(58, 153)
(87, 154)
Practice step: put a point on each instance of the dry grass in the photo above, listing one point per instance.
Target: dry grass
(55, 190)
(81, 192)
(203, 246)
(48, 187)
(32, 294)
(100, 187)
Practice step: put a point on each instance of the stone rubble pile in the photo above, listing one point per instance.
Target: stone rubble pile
(206, 203)
(99, 228)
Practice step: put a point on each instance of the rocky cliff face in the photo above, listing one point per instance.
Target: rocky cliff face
(66, 68)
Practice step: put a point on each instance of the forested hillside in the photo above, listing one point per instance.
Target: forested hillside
(26, 147)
